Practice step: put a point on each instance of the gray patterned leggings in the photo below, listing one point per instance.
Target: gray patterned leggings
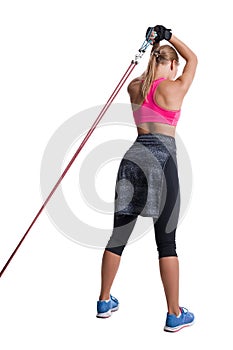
(166, 243)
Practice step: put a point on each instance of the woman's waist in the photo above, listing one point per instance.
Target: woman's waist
(156, 139)
(156, 128)
(155, 142)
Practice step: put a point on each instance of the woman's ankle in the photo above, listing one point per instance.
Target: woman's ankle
(174, 311)
(104, 296)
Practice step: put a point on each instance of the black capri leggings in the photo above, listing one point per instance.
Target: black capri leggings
(169, 213)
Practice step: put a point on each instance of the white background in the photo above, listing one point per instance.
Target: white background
(58, 58)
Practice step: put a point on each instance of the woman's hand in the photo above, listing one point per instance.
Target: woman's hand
(159, 33)
(152, 34)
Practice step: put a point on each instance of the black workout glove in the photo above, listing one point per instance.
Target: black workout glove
(161, 31)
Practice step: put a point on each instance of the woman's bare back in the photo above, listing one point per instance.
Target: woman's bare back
(136, 99)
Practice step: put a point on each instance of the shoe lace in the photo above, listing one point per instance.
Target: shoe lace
(185, 310)
(113, 298)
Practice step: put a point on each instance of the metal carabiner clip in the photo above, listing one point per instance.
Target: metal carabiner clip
(150, 36)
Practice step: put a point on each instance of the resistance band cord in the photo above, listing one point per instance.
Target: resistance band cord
(147, 42)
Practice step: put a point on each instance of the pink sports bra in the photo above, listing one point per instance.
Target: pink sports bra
(150, 111)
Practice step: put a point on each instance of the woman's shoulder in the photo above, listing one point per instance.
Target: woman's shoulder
(134, 83)
(136, 80)
(168, 95)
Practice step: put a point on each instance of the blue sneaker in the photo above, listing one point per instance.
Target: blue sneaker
(174, 323)
(105, 307)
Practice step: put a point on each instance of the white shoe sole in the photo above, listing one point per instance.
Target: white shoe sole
(176, 329)
(108, 313)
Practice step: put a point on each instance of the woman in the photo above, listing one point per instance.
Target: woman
(150, 168)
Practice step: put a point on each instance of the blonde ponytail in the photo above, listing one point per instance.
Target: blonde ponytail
(159, 55)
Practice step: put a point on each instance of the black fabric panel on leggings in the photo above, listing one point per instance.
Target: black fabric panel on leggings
(123, 227)
(165, 226)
